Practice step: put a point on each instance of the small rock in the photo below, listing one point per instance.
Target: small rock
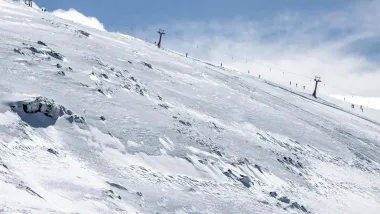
(147, 65)
(133, 79)
(100, 91)
(185, 123)
(59, 66)
(129, 62)
(141, 92)
(246, 180)
(84, 85)
(284, 199)
(41, 43)
(273, 194)
(52, 151)
(259, 168)
(62, 73)
(159, 97)
(102, 118)
(84, 33)
(105, 76)
(139, 194)
(18, 50)
(164, 106)
(5, 166)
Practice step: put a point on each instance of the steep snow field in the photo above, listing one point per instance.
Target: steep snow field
(98, 122)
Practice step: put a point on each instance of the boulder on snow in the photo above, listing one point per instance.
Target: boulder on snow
(18, 50)
(147, 65)
(42, 43)
(40, 112)
(284, 199)
(45, 106)
(246, 180)
(84, 33)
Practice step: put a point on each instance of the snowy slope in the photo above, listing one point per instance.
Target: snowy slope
(106, 123)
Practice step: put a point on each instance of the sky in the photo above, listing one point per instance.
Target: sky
(291, 40)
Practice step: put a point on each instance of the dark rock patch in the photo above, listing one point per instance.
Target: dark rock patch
(102, 118)
(61, 73)
(159, 97)
(147, 65)
(18, 50)
(34, 50)
(296, 205)
(185, 123)
(139, 194)
(100, 91)
(259, 168)
(59, 66)
(29, 190)
(5, 166)
(284, 199)
(105, 76)
(246, 180)
(84, 85)
(76, 119)
(133, 79)
(84, 33)
(55, 55)
(164, 106)
(127, 86)
(52, 151)
(273, 194)
(42, 43)
(117, 186)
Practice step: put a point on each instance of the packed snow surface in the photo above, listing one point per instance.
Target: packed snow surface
(99, 122)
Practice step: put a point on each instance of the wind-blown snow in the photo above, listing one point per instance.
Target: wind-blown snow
(78, 17)
(97, 122)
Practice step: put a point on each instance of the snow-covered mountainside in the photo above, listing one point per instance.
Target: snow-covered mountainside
(98, 122)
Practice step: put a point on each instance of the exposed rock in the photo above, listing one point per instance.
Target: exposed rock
(147, 65)
(59, 66)
(84, 33)
(18, 50)
(284, 199)
(45, 106)
(76, 119)
(185, 123)
(258, 168)
(164, 106)
(117, 186)
(62, 73)
(273, 194)
(52, 151)
(105, 76)
(55, 55)
(246, 180)
(296, 205)
(102, 118)
(42, 43)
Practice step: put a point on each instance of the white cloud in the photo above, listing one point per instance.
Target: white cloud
(332, 45)
(78, 17)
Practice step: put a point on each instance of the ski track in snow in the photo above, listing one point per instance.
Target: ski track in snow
(124, 127)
